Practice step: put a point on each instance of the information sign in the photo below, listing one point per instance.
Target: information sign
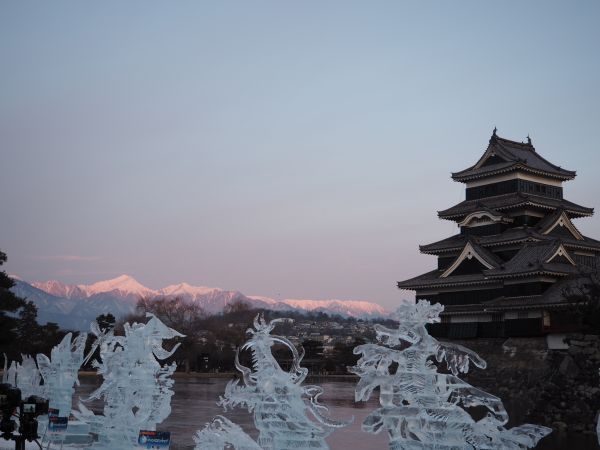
(154, 440)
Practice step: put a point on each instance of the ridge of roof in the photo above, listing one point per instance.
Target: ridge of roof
(508, 237)
(534, 257)
(529, 147)
(490, 256)
(549, 219)
(517, 156)
(473, 250)
(511, 200)
(432, 279)
(559, 217)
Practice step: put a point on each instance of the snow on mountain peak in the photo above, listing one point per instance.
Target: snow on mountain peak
(59, 289)
(263, 299)
(118, 295)
(123, 283)
(355, 308)
(186, 289)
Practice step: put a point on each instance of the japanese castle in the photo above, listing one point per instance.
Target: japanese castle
(507, 271)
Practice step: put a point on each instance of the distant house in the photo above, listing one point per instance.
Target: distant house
(506, 271)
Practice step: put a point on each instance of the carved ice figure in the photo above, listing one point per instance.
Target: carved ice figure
(222, 433)
(9, 373)
(24, 376)
(136, 389)
(60, 372)
(277, 398)
(598, 423)
(29, 378)
(598, 429)
(424, 409)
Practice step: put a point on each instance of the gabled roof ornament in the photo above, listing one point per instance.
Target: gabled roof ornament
(530, 143)
(473, 250)
(494, 136)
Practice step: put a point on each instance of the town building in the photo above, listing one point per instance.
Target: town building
(517, 253)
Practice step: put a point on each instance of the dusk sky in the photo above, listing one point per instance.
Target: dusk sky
(287, 149)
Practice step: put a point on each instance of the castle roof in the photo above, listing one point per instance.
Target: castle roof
(546, 257)
(503, 155)
(513, 200)
(473, 250)
(458, 241)
(432, 279)
(536, 257)
(511, 236)
(553, 297)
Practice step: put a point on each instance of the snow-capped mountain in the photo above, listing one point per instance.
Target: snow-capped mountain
(59, 289)
(352, 308)
(212, 300)
(186, 290)
(74, 306)
(77, 308)
(123, 285)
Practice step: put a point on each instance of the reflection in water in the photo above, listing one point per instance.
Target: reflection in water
(194, 404)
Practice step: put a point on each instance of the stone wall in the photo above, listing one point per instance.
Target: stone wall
(556, 388)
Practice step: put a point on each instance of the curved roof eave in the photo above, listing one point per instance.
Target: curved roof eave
(456, 176)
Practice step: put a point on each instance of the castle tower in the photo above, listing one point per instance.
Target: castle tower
(506, 272)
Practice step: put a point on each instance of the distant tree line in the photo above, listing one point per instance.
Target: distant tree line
(211, 341)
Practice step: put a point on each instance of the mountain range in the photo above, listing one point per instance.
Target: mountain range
(75, 306)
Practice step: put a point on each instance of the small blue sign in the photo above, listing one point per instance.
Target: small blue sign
(154, 440)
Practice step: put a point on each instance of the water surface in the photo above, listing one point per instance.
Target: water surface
(194, 404)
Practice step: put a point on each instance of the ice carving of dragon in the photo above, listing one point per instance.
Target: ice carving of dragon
(136, 388)
(276, 397)
(222, 433)
(598, 425)
(422, 408)
(24, 375)
(60, 372)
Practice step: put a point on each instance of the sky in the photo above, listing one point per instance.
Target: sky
(287, 149)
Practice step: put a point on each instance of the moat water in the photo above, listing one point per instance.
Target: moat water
(194, 404)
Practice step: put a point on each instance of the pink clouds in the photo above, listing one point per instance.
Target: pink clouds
(67, 258)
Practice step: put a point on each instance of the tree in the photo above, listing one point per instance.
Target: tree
(29, 333)
(10, 305)
(106, 322)
(9, 302)
(182, 316)
(20, 331)
(584, 291)
(236, 306)
(343, 355)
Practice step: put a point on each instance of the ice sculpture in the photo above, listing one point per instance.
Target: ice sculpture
(598, 423)
(136, 388)
(598, 429)
(277, 398)
(421, 408)
(222, 433)
(9, 373)
(24, 376)
(60, 372)
(29, 378)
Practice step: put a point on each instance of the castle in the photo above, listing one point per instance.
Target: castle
(518, 251)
